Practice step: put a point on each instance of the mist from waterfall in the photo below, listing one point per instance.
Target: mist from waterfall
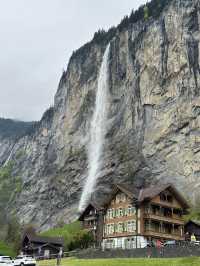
(97, 132)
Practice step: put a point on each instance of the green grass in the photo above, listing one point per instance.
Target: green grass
(67, 231)
(6, 250)
(193, 261)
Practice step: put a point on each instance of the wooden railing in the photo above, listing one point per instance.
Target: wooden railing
(160, 217)
(174, 235)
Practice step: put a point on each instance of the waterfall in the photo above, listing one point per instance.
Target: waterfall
(97, 132)
(9, 156)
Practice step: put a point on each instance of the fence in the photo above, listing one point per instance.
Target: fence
(179, 249)
(54, 259)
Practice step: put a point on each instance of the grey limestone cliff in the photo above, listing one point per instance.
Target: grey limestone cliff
(153, 124)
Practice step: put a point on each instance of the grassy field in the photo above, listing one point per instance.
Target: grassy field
(6, 250)
(67, 231)
(126, 262)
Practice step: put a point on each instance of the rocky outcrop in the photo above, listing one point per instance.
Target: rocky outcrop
(153, 125)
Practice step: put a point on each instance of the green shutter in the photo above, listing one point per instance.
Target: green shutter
(124, 211)
(125, 226)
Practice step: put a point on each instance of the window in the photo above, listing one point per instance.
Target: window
(133, 242)
(162, 197)
(116, 213)
(113, 213)
(123, 197)
(128, 243)
(110, 229)
(119, 242)
(166, 197)
(109, 214)
(109, 244)
(120, 227)
(120, 212)
(169, 198)
(118, 198)
(131, 210)
(131, 226)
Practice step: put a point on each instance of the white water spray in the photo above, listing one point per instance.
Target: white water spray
(97, 132)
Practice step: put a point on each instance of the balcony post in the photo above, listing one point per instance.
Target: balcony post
(173, 228)
(161, 227)
(149, 225)
(181, 230)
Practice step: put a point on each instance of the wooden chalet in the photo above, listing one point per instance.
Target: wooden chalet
(39, 246)
(132, 217)
(92, 220)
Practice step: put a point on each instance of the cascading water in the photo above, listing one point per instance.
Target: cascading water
(97, 132)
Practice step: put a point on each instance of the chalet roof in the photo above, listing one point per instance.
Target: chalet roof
(45, 240)
(194, 222)
(151, 192)
(44, 245)
(148, 193)
(129, 189)
(139, 195)
(90, 205)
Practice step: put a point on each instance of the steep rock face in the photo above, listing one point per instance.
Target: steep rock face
(153, 125)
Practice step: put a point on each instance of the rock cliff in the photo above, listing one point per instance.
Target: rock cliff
(153, 124)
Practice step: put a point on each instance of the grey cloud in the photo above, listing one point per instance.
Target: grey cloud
(37, 38)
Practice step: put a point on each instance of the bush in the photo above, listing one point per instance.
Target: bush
(82, 240)
(73, 234)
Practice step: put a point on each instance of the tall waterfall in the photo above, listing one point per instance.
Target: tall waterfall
(97, 132)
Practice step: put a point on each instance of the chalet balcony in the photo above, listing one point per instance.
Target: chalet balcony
(90, 218)
(164, 230)
(160, 217)
(165, 214)
(155, 233)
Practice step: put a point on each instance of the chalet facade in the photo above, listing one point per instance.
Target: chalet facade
(132, 217)
(39, 246)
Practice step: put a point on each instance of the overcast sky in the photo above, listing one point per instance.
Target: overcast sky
(37, 38)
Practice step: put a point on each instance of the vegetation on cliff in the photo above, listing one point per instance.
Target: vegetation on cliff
(14, 129)
(9, 185)
(152, 9)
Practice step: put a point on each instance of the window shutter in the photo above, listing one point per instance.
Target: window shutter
(125, 226)
(116, 228)
(124, 211)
